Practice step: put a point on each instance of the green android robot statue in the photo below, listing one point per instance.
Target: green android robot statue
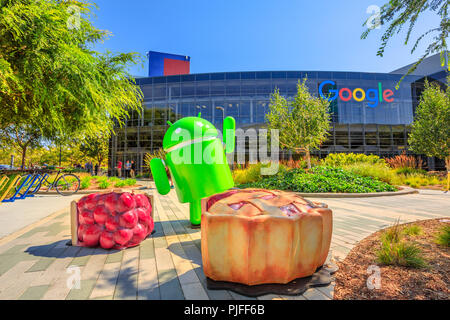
(196, 160)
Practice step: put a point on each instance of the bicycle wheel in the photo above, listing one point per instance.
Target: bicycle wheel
(67, 184)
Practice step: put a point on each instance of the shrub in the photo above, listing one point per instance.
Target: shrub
(104, 184)
(120, 184)
(409, 171)
(342, 159)
(400, 254)
(114, 179)
(130, 182)
(320, 179)
(392, 234)
(404, 161)
(377, 170)
(252, 173)
(443, 237)
(394, 251)
(85, 182)
(412, 230)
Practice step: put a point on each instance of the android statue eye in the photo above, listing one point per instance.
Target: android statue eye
(199, 124)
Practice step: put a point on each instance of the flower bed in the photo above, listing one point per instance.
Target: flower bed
(321, 179)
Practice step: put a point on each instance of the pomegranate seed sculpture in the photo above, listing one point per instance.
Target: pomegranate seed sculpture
(254, 236)
(113, 220)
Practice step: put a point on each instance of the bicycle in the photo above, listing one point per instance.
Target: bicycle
(65, 184)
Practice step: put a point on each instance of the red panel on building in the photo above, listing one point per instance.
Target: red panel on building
(174, 67)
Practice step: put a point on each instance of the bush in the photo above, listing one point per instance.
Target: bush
(85, 182)
(408, 171)
(130, 182)
(120, 184)
(252, 173)
(320, 179)
(400, 254)
(404, 161)
(104, 184)
(377, 170)
(412, 230)
(342, 159)
(443, 237)
(394, 251)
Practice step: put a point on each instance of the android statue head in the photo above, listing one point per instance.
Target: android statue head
(196, 160)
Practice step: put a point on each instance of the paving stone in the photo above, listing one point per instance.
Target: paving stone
(83, 293)
(194, 291)
(107, 280)
(148, 285)
(126, 287)
(34, 293)
(43, 263)
(314, 294)
(146, 249)
(15, 281)
(114, 257)
(103, 298)
(169, 285)
(328, 290)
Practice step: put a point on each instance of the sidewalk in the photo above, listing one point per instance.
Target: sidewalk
(38, 264)
(21, 213)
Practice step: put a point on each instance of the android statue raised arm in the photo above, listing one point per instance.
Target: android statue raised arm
(196, 160)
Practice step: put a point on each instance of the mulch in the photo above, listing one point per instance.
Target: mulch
(397, 283)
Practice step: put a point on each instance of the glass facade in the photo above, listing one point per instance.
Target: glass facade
(357, 126)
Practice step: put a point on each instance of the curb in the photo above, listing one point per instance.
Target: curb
(403, 191)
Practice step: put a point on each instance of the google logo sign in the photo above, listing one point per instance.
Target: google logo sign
(345, 94)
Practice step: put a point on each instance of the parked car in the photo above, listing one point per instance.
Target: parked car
(7, 167)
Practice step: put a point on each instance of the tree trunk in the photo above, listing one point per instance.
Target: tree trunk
(308, 158)
(24, 153)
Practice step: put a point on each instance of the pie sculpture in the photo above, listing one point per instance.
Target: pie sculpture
(255, 236)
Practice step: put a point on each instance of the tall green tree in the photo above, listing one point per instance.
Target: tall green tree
(51, 78)
(303, 123)
(398, 14)
(96, 148)
(430, 133)
(22, 138)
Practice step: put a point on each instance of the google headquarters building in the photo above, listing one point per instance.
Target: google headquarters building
(368, 114)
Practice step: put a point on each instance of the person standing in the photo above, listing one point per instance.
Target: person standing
(127, 169)
(132, 169)
(119, 169)
(96, 169)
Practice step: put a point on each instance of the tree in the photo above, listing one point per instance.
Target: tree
(430, 132)
(398, 13)
(50, 77)
(303, 123)
(96, 148)
(22, 138)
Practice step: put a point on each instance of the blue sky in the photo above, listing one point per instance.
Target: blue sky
(250, 35)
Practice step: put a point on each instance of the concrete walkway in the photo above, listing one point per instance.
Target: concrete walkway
(18, 214)
(38, 264)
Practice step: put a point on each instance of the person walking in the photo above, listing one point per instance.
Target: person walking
(119, 168)
(133, 169)
(127, 169)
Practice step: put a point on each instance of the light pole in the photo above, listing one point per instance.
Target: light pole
(223, 111)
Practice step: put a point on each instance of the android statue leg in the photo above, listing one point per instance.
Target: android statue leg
(195, 210)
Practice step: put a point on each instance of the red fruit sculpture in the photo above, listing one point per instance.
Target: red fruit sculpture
(112, 220)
